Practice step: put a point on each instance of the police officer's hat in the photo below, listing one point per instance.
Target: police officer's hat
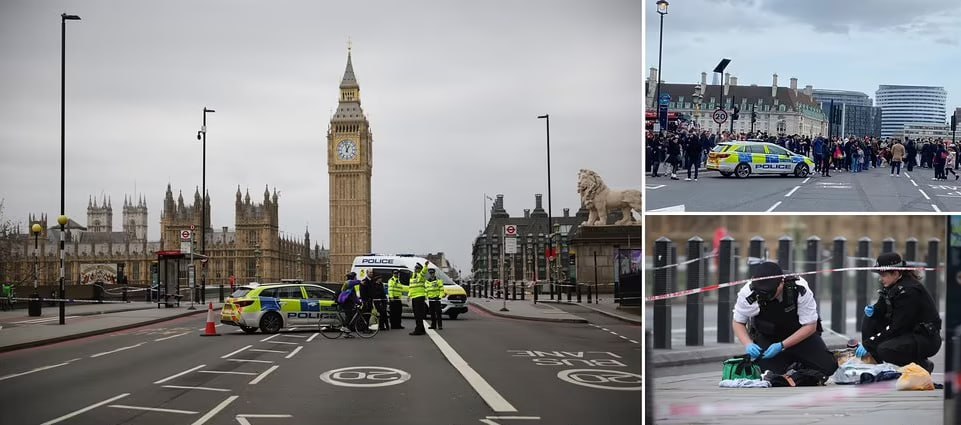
(760, 276)
(396, 271)
(889, 259)
(351, 275)
(431, 270)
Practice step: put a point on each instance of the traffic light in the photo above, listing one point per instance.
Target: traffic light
(954, 123)
(573, 259)
(734, 115)
(753, 117)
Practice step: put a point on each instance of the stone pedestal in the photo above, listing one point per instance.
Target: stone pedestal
(605, 242)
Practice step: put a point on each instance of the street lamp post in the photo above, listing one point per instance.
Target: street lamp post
(62, 219)
(550, 214)
(202, 135)
(661, 10)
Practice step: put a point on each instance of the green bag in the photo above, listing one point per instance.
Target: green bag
(741, 367)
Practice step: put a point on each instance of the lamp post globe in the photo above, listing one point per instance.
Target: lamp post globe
(662, 6)
(62, 220)
(36, 228)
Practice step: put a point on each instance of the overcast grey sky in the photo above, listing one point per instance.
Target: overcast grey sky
(452, 91)
(830, 44)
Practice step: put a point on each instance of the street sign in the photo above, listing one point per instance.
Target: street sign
(510, 230)
(186, 247)
(190, 275)
(185, 235)
(664, 100)
(720, 116)
(193, 227)
(510, 245)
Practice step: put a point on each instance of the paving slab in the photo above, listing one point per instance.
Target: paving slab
(525, 310)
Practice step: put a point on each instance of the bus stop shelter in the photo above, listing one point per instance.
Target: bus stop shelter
(175, 277)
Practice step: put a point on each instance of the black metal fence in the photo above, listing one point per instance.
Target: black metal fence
(824, 278)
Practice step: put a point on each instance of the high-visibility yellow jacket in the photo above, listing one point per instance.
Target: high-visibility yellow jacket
(416, 289)
(396, 289)
(435, 289)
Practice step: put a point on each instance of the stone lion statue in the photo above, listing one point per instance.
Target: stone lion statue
(599, 199)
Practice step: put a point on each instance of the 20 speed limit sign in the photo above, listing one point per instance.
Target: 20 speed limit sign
(719, 116)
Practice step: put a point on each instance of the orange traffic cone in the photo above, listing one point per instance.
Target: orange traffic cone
(211, 329)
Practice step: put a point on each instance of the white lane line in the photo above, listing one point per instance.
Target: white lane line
(312, 337)
(293, 353)
(792, 191)
(270, 337)
(912, 182)
(283, 342)
(936, 209)
(34, 370)
(153, 409)
(615, 333)
(117, 350)
(806, 180)
(203, 419)
(675, 208)
(907, 175)
(514, 417)
(261, 350)
(605, 329)
(235, 352)
(622, 336)
(32, 321)
(90, 407)
(263, 375)
(773, 206)
(242, 419)
(227, 372)
(182, 387)
(294, 336)
(250, 361)
(493, 399)
(292, 329)
(925, 194)
(169, 337)
(634, 341)
(179, 374)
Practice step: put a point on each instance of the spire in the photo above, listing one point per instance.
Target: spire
(349, 81)
(89, 201)
(275, 196)
(266, 194)
(247, 197)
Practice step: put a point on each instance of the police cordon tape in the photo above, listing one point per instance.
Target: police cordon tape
(69, 300)
(687, 292)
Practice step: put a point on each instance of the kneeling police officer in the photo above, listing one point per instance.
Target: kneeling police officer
(784, 323)
(903, 326)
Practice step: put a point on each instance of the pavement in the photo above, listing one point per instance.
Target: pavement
(871, 190)
(548, 310)
(18, 330)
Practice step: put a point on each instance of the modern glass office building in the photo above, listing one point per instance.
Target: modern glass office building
(856, 116)
(901, 105)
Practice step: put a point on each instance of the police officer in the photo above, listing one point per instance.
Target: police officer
(379, 301)
(417, 293)
(903, 326)
(395, 290)
(435, 291)
(784, 323)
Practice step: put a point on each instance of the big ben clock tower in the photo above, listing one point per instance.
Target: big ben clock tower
(349, 165)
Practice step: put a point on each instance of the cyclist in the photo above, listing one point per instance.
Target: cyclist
(349, 300)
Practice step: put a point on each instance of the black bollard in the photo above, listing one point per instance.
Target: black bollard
(812, 262)
(568, 290)
(221, 293)
(588, 294)
(726, 297)
(551, 287)
(861, 277)
(124, 294)
(536, 290)
(514, 290)
(931, 276)
(662, 285)
(838, 291)
(694, 314)
(578, 293)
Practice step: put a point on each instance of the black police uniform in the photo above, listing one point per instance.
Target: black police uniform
(905, 326)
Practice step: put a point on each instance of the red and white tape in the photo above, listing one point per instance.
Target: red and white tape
(687, 292)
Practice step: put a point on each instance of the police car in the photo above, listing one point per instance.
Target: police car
(743, 158)
(454, 302)
(272, 307)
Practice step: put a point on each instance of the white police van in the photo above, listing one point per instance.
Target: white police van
(455, 297)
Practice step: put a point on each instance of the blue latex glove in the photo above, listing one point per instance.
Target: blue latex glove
(753, 350)
(869, 310)
(861, 351)
(773, 350)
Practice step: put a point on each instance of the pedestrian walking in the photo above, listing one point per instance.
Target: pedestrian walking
(693, 152)
(951, 164)
(897, 155)
(674, 156)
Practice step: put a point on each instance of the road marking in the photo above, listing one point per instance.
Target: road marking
(634, 341)
(85, 409)
(228, 372)
(270, 337)
(615, 378)
(936, 209)
(283, 342)
(203, 419)
(182, 387)
(216, 326)
(806, 180)
(774, 206)
(312, 337)
(294, 336)
(925, 194)
(33, 321)
(153, 409)
(675, 208)
(179, 374)
(493, 399)
(250, 361)
(514, 417)
(381, 376)
(653, 186)
(235, 352)
(615, 333)
(912, 182)
(242, 419)
(605, 329)
(292, 329)
(792, 191)
(268, 351)
(907, 175)
(117, 350)
(263, 375)
(35, 370)
(169, 337)
(292, 353)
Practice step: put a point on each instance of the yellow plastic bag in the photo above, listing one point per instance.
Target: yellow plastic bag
(914, 378)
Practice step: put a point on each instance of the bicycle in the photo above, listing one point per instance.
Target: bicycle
(364, 324)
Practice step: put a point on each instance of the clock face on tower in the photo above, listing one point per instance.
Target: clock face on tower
(346, 150)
